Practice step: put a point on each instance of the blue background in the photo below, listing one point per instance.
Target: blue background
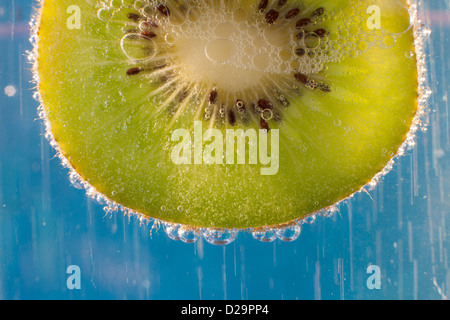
(47, 225)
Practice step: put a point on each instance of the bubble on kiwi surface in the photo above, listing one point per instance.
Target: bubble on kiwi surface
(214, 55)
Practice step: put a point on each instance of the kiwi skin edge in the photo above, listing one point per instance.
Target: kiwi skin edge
(89, 153)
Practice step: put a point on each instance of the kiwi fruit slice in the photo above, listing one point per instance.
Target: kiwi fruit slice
(227, 113)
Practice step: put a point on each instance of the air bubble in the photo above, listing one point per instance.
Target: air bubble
(170, 38)
(10, 91)
(176, 19)
(239, 15)
(409, 54)
(285, 54)
(149, 11)
(243, 26)
(33, 39)
(353, 53)
(298, 37)
(245, 60)
(336, 46)
(194, 14)
(171, 229)
(251, 31)
(312, 54)
(128, 3)
(48, 136)
(261, 61)
(104, 14)
(312, 40)
(277, 36)
(310, 219)
(144, 26)
(264, 235)
(219, 50)
(224, 30)
(220, 236)
(77, 181)
(333, 36)
(267, 114)
(116, 4)
(138, 4)
(289, 233)
(389, 41)
(101, 199)
(249, 50)
(354, 30)
(294, 65)
(188, 234)
(259, 42)
(362, 46)
(349, 11)
(138, 47)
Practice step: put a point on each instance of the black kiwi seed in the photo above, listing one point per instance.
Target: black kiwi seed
(183, 95)
(301, 78)
(213, 97)
(263, 4)
(133, 71)
(303, 22)
(320, 32)
(324, 87)
(281, 3)
(300, 35)
(264, 104)
(127, 31)
(134, 17)
(163, 9)
(318, 12)
(148, 34)
(152, 24)
(231, 118)
(272, 16)
(300, 52)
(149, 24)
(292, 13)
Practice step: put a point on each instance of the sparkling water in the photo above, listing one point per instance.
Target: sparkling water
(51, 220)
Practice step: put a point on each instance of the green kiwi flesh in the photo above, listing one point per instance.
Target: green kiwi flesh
(118, 78)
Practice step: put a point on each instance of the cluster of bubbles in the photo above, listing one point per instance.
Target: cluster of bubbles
(189, 234)
(280, 48)
(257, 46)
(421, 35)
